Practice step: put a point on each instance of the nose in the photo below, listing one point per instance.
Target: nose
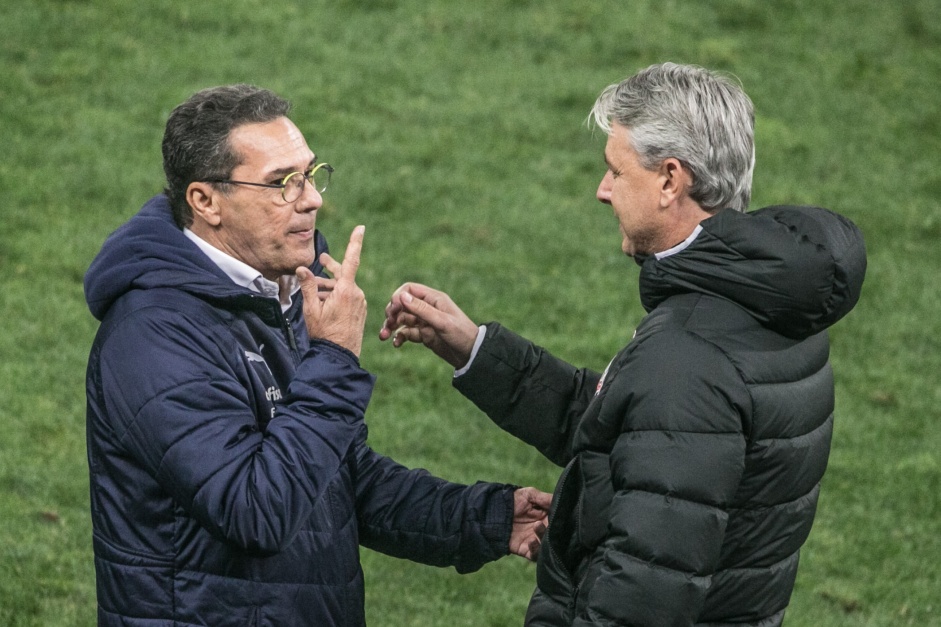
(310, 199)
(604, 188)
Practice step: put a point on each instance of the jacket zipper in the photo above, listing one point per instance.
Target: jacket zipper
(292, 341)
(286, 327)
(578, 527)
(289, 331)
(571, 576)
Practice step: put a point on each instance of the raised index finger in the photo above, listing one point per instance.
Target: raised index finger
(351, 256)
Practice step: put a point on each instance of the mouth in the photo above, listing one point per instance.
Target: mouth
(304, 234)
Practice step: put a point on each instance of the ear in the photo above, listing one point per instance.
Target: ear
(203, 198)
(675, 180)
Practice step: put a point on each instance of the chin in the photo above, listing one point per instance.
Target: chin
(306, 258)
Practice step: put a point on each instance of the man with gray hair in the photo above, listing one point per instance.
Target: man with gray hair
(692, 463)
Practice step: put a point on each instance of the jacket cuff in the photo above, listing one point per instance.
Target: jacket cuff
(317, 345)
(495, 370)
(330, 381)
(499, 534)
(488, 539)
(481, 334)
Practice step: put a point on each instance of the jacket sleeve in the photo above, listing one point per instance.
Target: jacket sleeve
(675, 468)
(179, 403)
(409, 513)
(528, 392)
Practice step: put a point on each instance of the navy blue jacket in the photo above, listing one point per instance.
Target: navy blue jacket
(231, 482)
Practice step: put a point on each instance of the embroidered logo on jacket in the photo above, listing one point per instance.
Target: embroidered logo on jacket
(608, 367)
(257, 358)
(601, 380)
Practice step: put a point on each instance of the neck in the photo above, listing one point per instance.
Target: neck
(685, 216)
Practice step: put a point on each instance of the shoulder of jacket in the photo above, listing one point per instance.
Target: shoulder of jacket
(170, 300)
(166, 306)
(666, 354)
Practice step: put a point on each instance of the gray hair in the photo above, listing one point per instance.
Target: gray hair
(686, 112)
(196, 140)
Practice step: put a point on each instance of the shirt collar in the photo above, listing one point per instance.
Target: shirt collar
(243, 274)
(682, 245)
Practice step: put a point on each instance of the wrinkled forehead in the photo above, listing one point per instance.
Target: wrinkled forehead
(273, 146)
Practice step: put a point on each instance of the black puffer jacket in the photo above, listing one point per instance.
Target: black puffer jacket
(231, 482)
(693, 465)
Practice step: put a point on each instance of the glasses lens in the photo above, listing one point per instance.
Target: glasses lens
(320, 177)
(293, 187)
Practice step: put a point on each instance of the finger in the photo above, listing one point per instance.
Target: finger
(419, 290)
(424, 312)
(405, 319)
(529, 548)
(394, 323)
(324, 286)
(392, 309)
(308, 283)
(540, 529)
(402, 288)
(351, 256)
(332, 265)
(533, 550)
(409, 326)
(537, 498)
(412, 290)
(307, 280)
(405, 334)
(391, 322)
(542, 499)
(394, 306)
(395, 301)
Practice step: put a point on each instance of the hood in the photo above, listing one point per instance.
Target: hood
(150, 251)
(795, 269)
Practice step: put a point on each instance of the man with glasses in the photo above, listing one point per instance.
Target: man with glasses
(231, 482)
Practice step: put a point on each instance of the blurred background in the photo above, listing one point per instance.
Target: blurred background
(458, 135)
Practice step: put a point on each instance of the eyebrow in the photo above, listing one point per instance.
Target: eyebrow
(282, 172)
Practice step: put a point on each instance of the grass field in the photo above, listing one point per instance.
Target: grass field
(458, 137)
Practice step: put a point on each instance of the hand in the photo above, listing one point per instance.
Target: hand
(335, 309)
(420, 314)
(530, 521)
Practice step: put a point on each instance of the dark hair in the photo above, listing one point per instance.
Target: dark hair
(196, 140)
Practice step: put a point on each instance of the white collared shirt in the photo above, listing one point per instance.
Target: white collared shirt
(682, 245)
(243, 274)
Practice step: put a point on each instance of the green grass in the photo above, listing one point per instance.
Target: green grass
(457, 132)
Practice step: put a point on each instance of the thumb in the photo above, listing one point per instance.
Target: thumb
(541, 500)
(426, 313)
(308, 284)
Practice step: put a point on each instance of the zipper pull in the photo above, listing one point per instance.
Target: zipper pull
(291, 340)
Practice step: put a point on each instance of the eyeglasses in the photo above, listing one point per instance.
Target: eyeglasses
(292, 185)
